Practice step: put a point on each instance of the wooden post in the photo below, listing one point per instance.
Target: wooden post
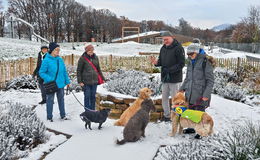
(111, 61)
(31, 65)
(238, 65)
(72, 59)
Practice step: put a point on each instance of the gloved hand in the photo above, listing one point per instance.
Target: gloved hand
(204, 103)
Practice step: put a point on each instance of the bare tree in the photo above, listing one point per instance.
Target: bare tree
(2, 20)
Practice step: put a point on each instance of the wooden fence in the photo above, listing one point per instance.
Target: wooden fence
(12, 69)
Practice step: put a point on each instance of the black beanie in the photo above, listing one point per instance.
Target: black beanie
(52, 46)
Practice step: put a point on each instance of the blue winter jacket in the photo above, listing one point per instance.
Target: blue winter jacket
(49, 68)
(202, 51)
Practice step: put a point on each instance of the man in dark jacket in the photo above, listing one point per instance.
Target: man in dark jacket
(87, 76)
(41, 56)
(172, 61)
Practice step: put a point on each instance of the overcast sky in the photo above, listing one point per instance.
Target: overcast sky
(200, 13)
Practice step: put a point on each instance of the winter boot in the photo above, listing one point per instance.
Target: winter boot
(188, 131)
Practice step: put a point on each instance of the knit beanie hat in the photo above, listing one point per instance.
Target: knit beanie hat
(193, 48)
(52, 46)
(166, 34)
(87, 46)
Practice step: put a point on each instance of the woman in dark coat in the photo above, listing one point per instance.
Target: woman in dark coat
(199, 80)
(89, 76)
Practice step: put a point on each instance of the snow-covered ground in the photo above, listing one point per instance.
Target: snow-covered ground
(100, 144)
(227, 53)
(12, 49)
(17, 49)
(137, 35)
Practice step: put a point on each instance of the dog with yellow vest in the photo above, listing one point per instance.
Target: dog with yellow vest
(182, 117)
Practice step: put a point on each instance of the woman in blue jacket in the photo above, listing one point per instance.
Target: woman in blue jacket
(48, 72)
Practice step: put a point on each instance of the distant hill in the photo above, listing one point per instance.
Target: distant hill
(221, 27)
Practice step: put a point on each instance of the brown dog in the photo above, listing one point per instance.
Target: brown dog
(144, 93)
(203, 128)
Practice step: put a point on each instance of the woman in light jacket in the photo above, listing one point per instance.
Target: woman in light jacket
(47, 72)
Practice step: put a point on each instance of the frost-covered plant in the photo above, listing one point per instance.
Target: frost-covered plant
(22, 123)
(224, 85)
(243, 142)
(8, 149)
(22, 82)
(72, 71)
(131, 81)
(232, 91)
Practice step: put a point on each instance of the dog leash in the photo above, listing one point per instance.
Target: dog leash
(77, 99)
(67, 93)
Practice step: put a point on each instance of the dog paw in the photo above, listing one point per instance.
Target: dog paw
(171, 134)
(99, 128)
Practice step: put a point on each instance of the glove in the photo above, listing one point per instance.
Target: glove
(204, 103)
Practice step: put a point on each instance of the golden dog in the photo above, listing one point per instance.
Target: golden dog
(144, 93)
(203, 128)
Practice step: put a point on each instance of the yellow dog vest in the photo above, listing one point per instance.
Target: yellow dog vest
(193, 115)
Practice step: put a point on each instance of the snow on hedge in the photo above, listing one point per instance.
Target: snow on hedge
(242, 142)
(22, 82)
(131, 81)
(231, 86)
(20, 130)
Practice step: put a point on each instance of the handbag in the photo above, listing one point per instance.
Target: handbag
(51, 87)
(100, 79)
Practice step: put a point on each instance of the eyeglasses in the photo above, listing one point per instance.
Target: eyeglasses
(191, 53)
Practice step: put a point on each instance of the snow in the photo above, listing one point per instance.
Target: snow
(52, 143)
(227, 53)
(100, 144)
(12, 49)
(137, 35)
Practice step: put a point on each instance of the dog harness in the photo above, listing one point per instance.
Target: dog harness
(184, 112)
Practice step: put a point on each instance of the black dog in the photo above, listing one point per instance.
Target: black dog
(94, 116)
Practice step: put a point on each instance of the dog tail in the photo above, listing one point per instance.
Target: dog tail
(120, 142)
(118, 123)
(211, 127)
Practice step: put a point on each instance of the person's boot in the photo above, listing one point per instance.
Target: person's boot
(64, 118)
(50, 120)
(189, 131)
(198, 136)
(42, 102)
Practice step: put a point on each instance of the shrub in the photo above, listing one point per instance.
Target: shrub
(243, 142)
(22, 82)
(130, 82)
(20, 129)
